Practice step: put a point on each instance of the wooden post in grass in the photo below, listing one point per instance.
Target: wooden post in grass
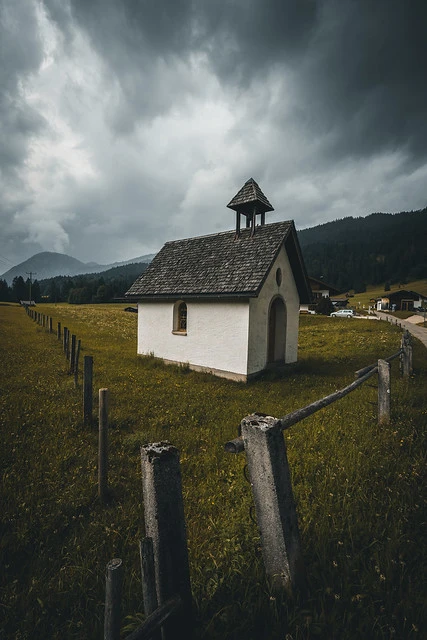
(148, 576)
(58, 331)
(165, 524)
(384, 393)
(76, 364)
(406, 362)
(87, 389)
(50, 325)
(73, 354)
(113, 599)
(67, 350)
(64, 342)
(103, 446)
(274, 502)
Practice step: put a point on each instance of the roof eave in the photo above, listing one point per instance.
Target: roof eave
(186, 296)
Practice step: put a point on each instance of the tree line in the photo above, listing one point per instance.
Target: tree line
(102, 287)
(381, 248)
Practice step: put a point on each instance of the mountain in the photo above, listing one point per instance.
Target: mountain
(353, 252)
(49, 264)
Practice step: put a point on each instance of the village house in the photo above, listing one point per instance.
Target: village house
(320, 289)
(401, 300)
(226, 303)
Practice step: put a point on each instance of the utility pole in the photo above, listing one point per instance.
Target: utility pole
(31, 274)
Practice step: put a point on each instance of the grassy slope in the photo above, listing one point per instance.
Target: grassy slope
(420, 286)
(358, 488)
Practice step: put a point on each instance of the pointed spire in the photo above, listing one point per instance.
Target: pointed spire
(249, 201)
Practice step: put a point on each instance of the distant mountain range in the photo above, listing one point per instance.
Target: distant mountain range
(348, 253)
(49, 264)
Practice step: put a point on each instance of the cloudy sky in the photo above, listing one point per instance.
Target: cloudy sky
(127, 123)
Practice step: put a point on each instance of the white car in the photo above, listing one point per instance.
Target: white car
(342, 313)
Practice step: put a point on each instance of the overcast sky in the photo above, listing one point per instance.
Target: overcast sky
(127, 123)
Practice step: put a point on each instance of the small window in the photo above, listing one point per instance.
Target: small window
(279, 276)
(180, 318)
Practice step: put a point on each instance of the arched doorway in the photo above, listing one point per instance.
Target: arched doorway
(277, 331)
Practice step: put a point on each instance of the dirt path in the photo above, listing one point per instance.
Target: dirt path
(415, 330)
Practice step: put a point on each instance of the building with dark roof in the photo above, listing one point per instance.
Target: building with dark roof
(400, 300)
(227, 303)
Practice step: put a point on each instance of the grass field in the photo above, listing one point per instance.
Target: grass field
(359, 488)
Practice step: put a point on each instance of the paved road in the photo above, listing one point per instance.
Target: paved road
(415, 330)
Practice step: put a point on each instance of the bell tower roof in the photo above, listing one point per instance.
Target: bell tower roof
(250, 199)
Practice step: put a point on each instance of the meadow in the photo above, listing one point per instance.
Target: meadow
(359, 489)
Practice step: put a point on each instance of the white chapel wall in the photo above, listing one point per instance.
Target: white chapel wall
(217, 334)
(258, 315)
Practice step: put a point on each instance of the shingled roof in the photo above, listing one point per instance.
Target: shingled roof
(250, 194)
(220, 265)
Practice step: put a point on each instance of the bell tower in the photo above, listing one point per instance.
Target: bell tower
(249, 201)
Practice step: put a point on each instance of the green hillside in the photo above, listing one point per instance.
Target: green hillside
(354, 252)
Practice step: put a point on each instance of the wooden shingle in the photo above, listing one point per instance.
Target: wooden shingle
(220, 265)
(250, 196)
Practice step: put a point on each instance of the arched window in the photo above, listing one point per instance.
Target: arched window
(180, 318)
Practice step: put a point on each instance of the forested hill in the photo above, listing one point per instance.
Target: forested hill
(353, 252)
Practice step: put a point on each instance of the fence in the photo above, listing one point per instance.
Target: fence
(262, 440)
(165, 570)
(164, 557)
(72, 348)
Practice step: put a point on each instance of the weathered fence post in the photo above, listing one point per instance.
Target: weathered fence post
(103, 446)
(73, 354)
(384, 392)
(113, 597)
(50, 325)
(87, 389)
(274, 502)
(65, 339)
(148, 576)
(58, 331)
(165, 524)
(76, 364)
(406, 354)
(68, 345)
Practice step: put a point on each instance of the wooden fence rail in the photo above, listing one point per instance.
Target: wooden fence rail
(262, 440)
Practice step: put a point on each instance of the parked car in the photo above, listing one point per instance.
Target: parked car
(342, 313)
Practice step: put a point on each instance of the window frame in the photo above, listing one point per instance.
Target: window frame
(180, 317)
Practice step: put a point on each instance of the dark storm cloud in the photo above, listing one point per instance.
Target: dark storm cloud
(359, 66)
(21, 55)
(125, 123)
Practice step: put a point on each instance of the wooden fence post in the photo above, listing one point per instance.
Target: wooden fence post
(384, 392)
(165, 524)
(87, 389)
(76, 364)
(58, 331)
(406, 354)
(148, 576)
(50, 325)
(65, 339)
(68, 345)
(73, 354)
(274, 502)
(103, 446)
(113, 597)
